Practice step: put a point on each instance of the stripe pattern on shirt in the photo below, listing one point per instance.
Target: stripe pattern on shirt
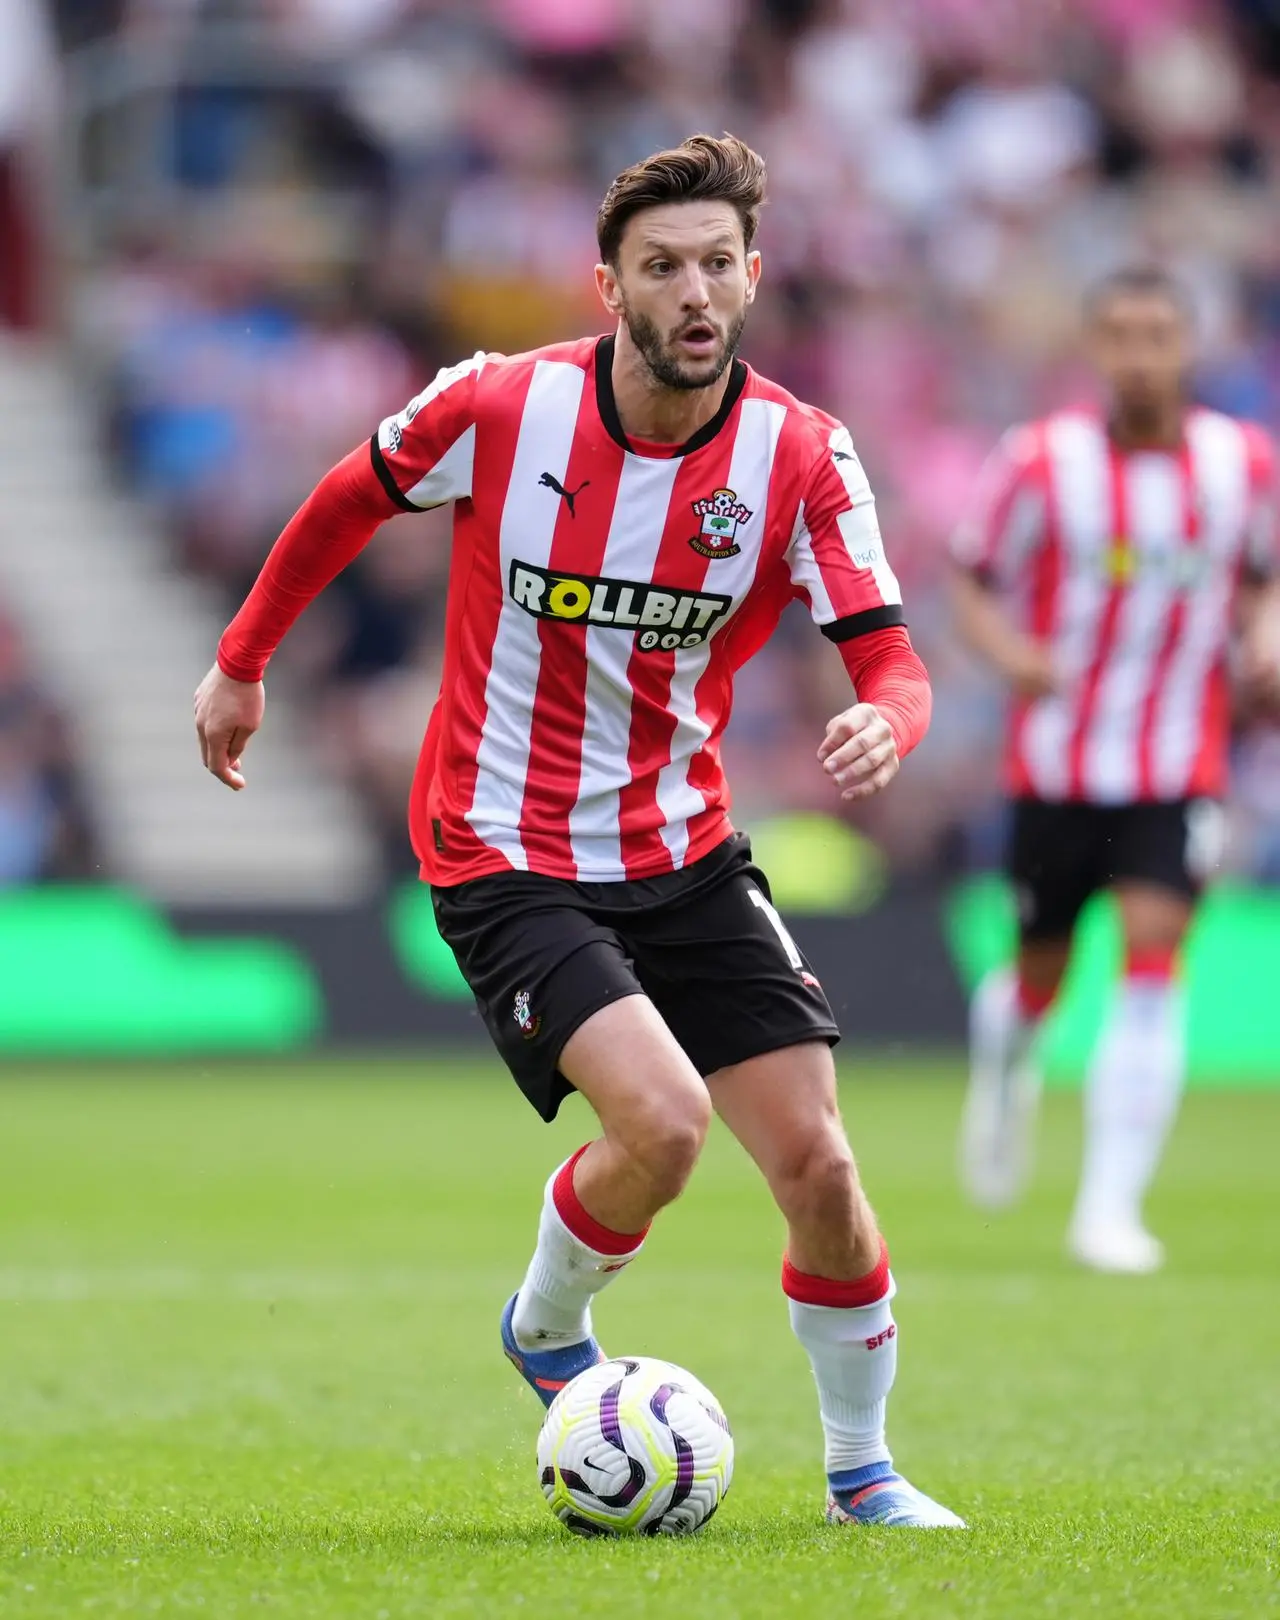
(1127, 565)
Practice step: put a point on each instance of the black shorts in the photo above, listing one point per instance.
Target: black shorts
(705, 945)
(1062, 854)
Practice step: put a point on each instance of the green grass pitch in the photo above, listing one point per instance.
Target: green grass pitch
(249, 1363)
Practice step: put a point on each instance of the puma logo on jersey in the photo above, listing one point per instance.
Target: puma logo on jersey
(663, 620)
(568, 496)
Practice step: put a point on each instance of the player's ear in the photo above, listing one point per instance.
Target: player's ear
(609, 290)
(753, 274)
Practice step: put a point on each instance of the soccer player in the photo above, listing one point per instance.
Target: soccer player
(632, 514)
(1109, 567)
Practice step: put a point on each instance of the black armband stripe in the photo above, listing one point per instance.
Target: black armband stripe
(386, 480)
(862, 624)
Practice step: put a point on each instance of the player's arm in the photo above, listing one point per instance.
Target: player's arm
(993, 544)
(418, 459)
(1258, 602)
(1259, 642)
(838, 564)
(984, 621)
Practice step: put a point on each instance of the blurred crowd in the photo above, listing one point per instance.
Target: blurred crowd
(44, 827)
(328, 199)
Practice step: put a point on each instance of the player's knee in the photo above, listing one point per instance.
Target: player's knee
(819, 1192)
(1154, 922)
(817, 1178)
(1042, 965)
(666, 1142)
(1157, 938)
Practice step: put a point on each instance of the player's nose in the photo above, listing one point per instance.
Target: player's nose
(695, 292)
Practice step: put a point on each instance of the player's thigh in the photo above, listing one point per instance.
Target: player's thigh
(726, 975)
(1161, 859)
(539, 967)
(646, 1093)
(1053, 863)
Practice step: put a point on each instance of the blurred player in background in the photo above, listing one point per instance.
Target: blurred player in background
(633, 513)
(1109, 570)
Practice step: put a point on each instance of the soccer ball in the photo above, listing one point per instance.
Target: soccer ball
(635, 1446)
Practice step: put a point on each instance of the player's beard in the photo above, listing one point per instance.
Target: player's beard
(1143, 411)
(659, 353)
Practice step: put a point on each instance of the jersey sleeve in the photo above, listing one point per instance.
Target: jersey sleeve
(1261, 553)
(425, 455)
(836, 556)
(1006, 519)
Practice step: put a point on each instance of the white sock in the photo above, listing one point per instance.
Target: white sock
(1131, 1099)
(854, 1354)
(1001, 1033)
(554, 1304)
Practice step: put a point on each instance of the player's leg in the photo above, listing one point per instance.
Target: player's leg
(782, 1107)
(736, 991)
(1051, 868)
(1135, 1077)
(565, 1010)
(1158, 859)
(653, 1109)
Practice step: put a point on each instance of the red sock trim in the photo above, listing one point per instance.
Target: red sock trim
(806, 1290)
(1033, 1002)
(1155, 962)
(585, 1227)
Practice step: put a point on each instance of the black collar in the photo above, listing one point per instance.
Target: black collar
(608, 406)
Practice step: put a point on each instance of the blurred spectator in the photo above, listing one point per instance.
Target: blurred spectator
(336, 198)
(28, 74)
(43, 830)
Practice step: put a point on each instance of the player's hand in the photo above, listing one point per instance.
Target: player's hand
(859, 752)
(227, 714)
(1030, 670)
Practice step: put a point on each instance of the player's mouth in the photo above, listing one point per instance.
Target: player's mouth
(701, 339)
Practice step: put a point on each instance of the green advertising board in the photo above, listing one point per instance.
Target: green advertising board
(101, 971)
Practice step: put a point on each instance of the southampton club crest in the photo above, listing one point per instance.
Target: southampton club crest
(530, 1022)
(721, 514)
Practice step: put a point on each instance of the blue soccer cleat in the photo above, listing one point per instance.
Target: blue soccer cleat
(876, 1495)
(547, 1371)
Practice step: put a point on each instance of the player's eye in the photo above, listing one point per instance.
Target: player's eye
(660, 267)
(721, 261)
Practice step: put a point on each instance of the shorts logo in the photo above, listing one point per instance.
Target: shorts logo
(530, 1023)
(721, 514)
(661, 620)
(1206, 843)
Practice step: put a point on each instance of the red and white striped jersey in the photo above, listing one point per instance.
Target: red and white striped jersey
(601, 595)
(1127, 565)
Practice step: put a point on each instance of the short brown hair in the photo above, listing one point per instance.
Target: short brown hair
(699, 169)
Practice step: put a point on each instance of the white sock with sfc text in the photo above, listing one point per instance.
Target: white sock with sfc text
(852, 1342)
